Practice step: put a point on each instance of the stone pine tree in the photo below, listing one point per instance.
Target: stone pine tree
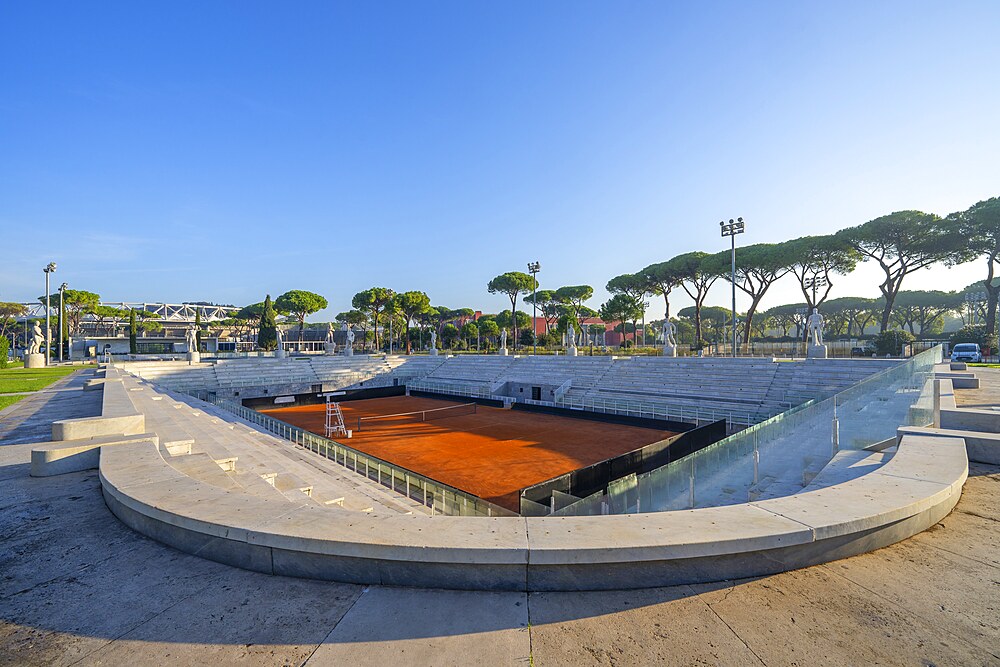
(620, 308)
(300, 303)
(980, 226)
(662, 278)
(634, 286)
(757, 268)
(814, 261)
(904, 242)
(696, 272)
(133, 346)
(373, 301)
(412, 305)
(267, 334)
(513, 284)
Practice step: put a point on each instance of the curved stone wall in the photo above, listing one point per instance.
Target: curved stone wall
(911, 492)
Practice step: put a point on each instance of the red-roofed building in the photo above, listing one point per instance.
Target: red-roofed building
(612, 337)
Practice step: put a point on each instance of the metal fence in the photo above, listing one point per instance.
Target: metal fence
(440, 498)
(735, 417)
(469, 390)
(685, 413)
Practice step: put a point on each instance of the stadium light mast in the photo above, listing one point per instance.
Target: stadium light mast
(51, 268)
(731, 229)
(814, 284)
(62, 317)
(533, 269)
(974, 300)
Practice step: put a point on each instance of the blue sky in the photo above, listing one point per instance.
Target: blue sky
(214, 151)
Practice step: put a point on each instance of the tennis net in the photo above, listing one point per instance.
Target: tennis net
(385, 421)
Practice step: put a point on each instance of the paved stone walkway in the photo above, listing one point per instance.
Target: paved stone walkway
(30, 419)
(78, 587)
(988, 392)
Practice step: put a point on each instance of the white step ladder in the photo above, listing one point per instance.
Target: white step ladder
(334, 420)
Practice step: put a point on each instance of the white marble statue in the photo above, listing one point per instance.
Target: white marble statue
(434, 339)
(329, 346)
(669, 332)
(814, 326)
(503, 339)
(349, 345)
(191, 339)
(35, 346)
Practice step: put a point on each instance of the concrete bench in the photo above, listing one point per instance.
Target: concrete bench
(65, 456)
(118, 415)
(981, 446)
(960, 380)
(965, 419)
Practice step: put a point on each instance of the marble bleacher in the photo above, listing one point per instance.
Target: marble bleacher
(211, 445)
(749, 388)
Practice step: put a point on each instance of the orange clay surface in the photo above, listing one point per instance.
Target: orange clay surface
(492, 454)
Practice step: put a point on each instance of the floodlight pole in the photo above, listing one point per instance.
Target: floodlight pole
(974, 300)
(731, 229)
(48, 331)
(814, 283)
(533, 269)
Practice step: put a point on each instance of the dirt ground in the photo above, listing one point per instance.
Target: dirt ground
(491, 454)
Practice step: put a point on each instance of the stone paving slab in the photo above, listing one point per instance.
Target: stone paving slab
(986, 395)
(958, 595)
(239, 621)
(30, 419)
(814, 617)
(659, 626)
(392, 626)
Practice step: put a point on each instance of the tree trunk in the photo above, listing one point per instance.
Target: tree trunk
(888, 289)
(992, 295)
(749, 321)
(886, 313)
(513, 318)
(697, 324)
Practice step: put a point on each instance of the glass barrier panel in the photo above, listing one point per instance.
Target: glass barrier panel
(591, 505)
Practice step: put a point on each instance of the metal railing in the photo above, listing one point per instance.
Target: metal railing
(439, 497)
(561, 390)
(658, 410)
(734, 418)
(472, 391)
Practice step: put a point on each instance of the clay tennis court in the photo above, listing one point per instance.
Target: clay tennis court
(491, 454)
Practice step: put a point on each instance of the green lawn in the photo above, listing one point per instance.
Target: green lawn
(9, 400)
(31, 379)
